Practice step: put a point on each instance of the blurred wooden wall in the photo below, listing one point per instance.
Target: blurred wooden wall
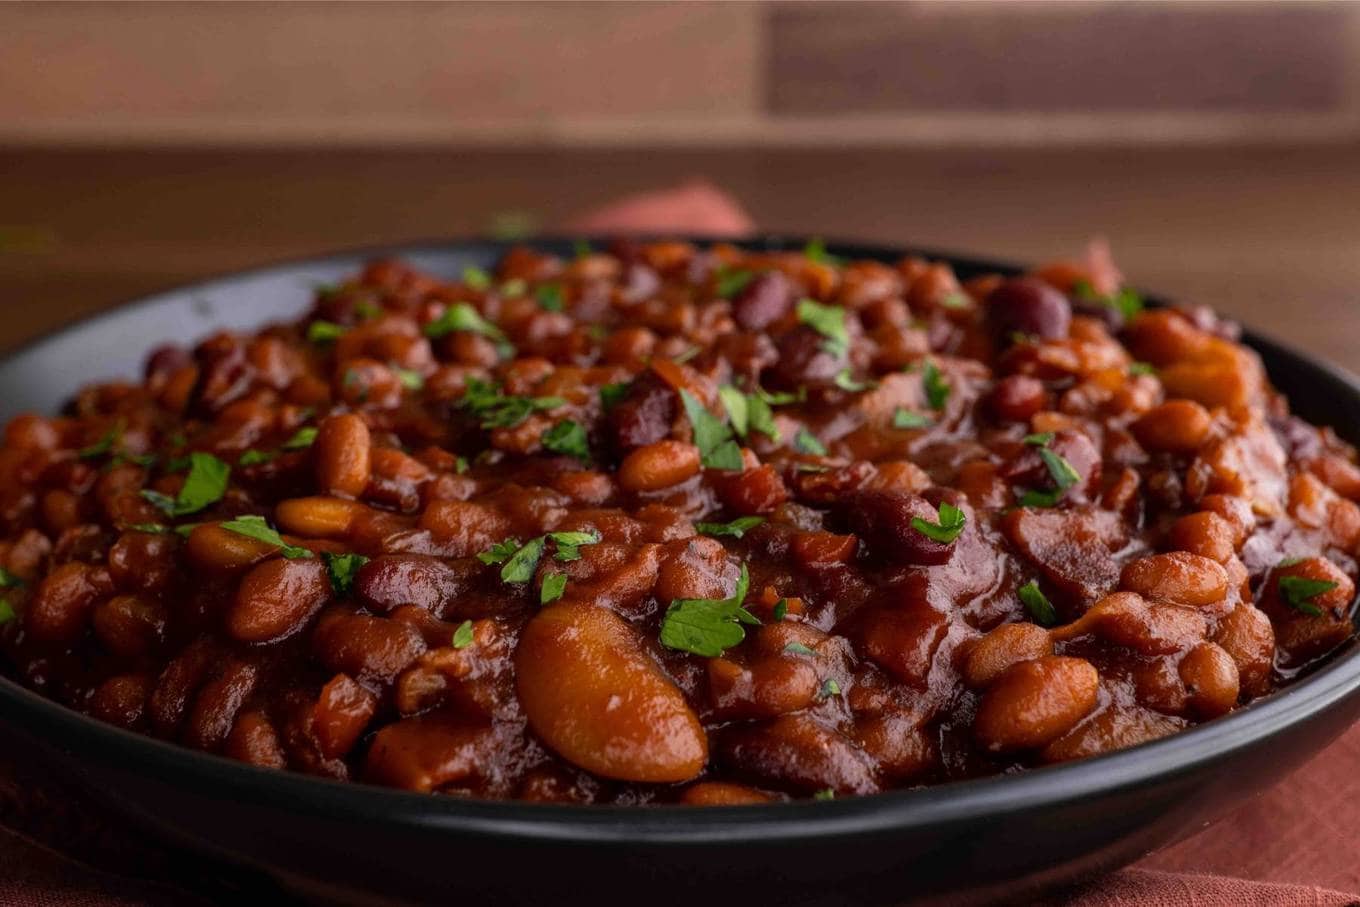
(568, 74)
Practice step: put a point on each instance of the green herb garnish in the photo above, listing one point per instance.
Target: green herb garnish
(325, 331)
(1040, 439)
(255, 527)
(6, 612)
(825, 794)
(462, 637)
(255, 457)
(549, 297)
(829, 688)
(713, 436)
(827, 320)
(205, 484)
(846, 382)
(1037, 604)
(342, 569)
(935, 385)
(905, 418)
(1299, 591)
(302, 438)
(808, 443)
(496, 410)
(797, 648)
(780, 610)
(554, 584)
(105, 443)
(708, 626)
(1125, 301)
(815, 250)
(732, 282)
(8, 580)
(476, 278)
(951, 522)
(461, 316)
(611, 394)
(500, 552)
(736, 529)
(1142, 368)
(568, 438)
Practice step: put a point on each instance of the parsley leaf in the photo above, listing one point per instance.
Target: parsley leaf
(1064, 473)
(105, 443)
(781, 608)
(708, 626)
(9, 580)
(514, 288)
(815, 250)
(1041, 439)
(325, 331)
(1142, 368)
(342, 568)
(712, 436)
(737, 528)
(797, 648)
(462, 637)
(410, 379)
(569, 543)
(496, 410)
(1299, 591)
(476, 278)
(936, 387)
(1125, 301)
(461, 316)
(738, 411)
(808, 443)
(1037, 604)
(6, 612)
(827, 320)
(522, 564)
(947, 529)
(611, 394)
(846, 382)
(500, 552)
(549, 297)
(956, 301)
(304, 437)
(905, 418)
(255, 457)
(569, 438)
(829, 688)
(731, 282)
(554, 584)
(255, 527)
(205, 484)
(825, 794)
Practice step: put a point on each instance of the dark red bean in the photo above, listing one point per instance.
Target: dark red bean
(1029, 306)
(883, 519)
(763, 301)
(1016, 398)
(645, 415)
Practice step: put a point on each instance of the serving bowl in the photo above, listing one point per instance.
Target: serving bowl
(1007, 836)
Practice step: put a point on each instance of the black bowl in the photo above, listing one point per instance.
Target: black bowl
(998, 837)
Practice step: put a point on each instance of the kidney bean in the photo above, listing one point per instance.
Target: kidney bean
(883, 520)
(763, 301)
(342, 455)
(1301, 635)
(121, 700)
(1210, 677)
(276, 598)
(1016, 398)
(594, 696)
(142, 561)
(1035, 702)
(177, 684)
(905, 640)
(391, 581)
(804, 360)
(213, 548)
(659, 465)
(1029, 306)
(254, 740)
(1179, 578)
(61, 604)
(464, 528)
(427, 752)
(1009, 644)
(1176, 426)
(215, 707)
(1062, 542)
(343, 710)
(129, 625)
(644, 415)
(797, 753)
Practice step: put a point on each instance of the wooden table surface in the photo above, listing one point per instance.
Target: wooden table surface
(1270, 236)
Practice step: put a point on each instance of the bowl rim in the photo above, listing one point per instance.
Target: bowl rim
(78, 735)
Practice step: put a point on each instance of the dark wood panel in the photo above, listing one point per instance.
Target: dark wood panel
(830, 57)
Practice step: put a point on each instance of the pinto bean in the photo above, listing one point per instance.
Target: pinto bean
(600, 702)
(659, 465)
(342, 455)
(276, 598)
(1035, 702)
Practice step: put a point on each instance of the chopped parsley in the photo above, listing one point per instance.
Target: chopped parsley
(846, 382)
(463, 317)
(708, 626)
(514, 287)
(748, 412)
(6, 612)
(582, 248)
(797, 648)
(520, 561)
(737, 528)
(205, 484)
(325, 331)
(829, 688)
(342, 568)
(554, 584)
(500, 552)
(1039, 439)
(8, 580)
(815, 250)
(1125, 301)
(304, 437)
(806, 442)
(255, 527)
(520, 566)
(956, 301)
(476, 278)
(611, 394)
(1299, 591)
(410, 379)
(951, 522)
(462, 637)
(1142, 368)
(105, 444)
(825, 794)
(781, 609)
(935, 385)
(568, 438)
(255, 457)
(713, 436)
(1037, 604)
(827, 320)
(1063, 473)
(549, 297)
(905, 418)
(496, 410)
(733, 281)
